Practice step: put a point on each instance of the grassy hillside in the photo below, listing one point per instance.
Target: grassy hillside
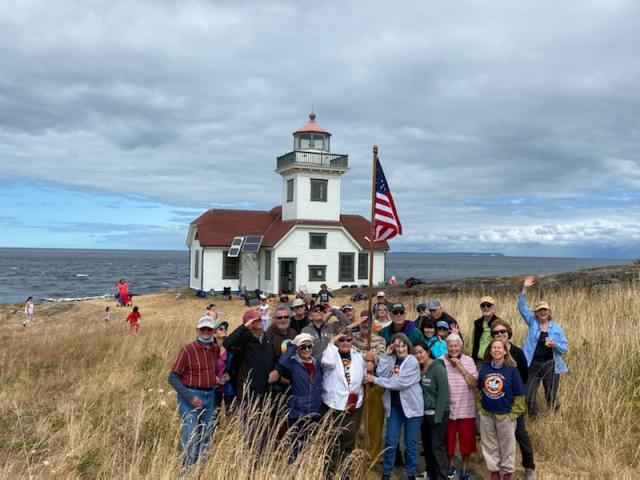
(81, 398)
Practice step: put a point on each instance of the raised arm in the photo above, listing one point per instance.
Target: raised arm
(526, 314)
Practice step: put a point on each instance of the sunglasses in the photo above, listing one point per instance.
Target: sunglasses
(306, 346)
(485, 305)
(206, 329)
(282, 317)
(346, 340)
(398, 312)
(495, 333)
(421, 309)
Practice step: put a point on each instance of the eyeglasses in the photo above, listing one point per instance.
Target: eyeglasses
(306, 346)
(282, 317)
(398, 312)
(485, 305)
(206, 329)
(495, 333)
(346, 340)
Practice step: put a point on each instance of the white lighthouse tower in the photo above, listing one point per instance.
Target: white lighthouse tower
(311, 176)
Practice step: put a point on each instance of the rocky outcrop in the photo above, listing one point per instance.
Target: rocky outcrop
(592, 279)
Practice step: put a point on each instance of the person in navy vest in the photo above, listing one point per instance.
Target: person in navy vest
(305, 400)
(193, 376)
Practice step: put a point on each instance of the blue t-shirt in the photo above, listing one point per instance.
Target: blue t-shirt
(499, 385)
(395, 394)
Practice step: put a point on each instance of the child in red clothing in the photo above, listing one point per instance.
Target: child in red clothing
(133, 318)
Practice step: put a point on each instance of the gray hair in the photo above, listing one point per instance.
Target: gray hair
(404, 339)
(454, 337)
(282, 306)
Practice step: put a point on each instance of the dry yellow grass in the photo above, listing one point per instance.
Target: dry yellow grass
(83, 399)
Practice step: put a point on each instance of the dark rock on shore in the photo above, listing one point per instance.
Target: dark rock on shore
(592, 279)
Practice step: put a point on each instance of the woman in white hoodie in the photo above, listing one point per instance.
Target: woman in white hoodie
(399, 373)
(342, 389)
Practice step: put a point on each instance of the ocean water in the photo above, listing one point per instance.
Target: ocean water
(65, 274)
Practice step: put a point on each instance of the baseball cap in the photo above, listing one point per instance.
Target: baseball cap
(217, 325)
(397, 307)
(205, 322)
(442, 324)
(250, 315)
(364, 313)
(298, 302)
(433, 304)
(302, 338)
(421, 305)
(346, 306)
(540, 305)
(380, 294)
(487, 299)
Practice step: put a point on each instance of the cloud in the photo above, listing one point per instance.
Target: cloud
(510, 116)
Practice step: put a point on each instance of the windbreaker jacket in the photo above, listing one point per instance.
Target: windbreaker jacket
(407, 382)
(533, 334)
(306, 392)
(335, 390)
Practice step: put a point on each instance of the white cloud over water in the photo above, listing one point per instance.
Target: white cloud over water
(502, 126)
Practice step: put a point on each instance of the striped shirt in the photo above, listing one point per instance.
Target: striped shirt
(196, 365)
(461, 398)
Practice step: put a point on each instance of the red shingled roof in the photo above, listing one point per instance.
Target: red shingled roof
(216, 228)
(311, 126)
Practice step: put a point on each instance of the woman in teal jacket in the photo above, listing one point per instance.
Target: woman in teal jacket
(544, 347)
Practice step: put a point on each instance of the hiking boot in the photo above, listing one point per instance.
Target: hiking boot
(495, 475)
(531, 474)
(451, 472)
(464, 474)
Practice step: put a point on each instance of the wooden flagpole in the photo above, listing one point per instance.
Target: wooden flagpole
(372, 235)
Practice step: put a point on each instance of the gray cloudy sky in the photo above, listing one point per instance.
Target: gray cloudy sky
(503, 126)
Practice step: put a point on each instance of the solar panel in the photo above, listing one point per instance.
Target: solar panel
(252, 243)
(237, 241)
(233, 252)
(236, 247)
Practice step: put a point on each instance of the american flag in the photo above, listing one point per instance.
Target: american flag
(386, 221)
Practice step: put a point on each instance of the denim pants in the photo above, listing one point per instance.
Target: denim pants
(395, 422)
(196, 426)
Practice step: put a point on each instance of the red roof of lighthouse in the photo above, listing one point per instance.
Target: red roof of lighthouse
(311, 126)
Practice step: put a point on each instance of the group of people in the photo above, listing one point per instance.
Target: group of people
(410, 375)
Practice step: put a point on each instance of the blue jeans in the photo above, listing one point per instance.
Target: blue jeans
(196, 426)
(395, 422)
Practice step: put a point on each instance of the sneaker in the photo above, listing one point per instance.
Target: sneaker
(464, 474)
(531, 474)
(451, 472)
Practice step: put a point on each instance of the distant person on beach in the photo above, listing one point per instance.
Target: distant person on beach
(299, 318)
(321, 330)
(501, 329)
(343, 390)
(194, 377)
(398, 373)
(264, 311)
(482, 328)
(324, 294)
(107, 314)
(28, 312)
(544, 346)
(400, 324)
(256, 359)
(122, 288)
(133, 319)
(501, 401)
(462, 376)
(435, 390)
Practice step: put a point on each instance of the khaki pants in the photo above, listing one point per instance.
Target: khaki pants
(498, 438)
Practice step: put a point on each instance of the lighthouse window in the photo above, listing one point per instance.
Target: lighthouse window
(318, 241)
(317, 142)
(318, 190)
(305, 141)
(290, 190)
